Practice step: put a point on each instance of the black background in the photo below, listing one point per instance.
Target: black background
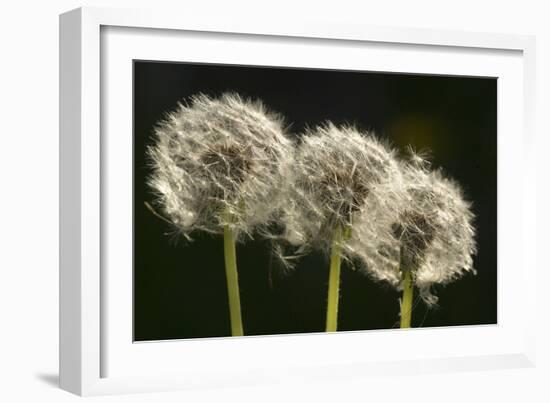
(179, 287)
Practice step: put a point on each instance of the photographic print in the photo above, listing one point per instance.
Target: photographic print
(276, 200)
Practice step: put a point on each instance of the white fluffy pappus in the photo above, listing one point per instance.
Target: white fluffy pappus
(220, 161)
(340, 176)
(433, 235)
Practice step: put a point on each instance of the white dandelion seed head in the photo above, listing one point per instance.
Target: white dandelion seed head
(433, 235)
(340, 176)
(220, 161)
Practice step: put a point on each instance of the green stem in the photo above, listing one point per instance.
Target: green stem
(406, 302)
(334, 281)
(232, 281)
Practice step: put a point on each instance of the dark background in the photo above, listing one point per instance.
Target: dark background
(179, 287)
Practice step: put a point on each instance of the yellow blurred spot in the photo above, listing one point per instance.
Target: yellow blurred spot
(422, 133)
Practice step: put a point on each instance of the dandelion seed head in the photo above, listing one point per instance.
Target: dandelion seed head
(433, 234)
(339, 176)
(219, 161)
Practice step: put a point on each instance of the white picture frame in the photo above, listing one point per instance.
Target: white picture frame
(96, 354)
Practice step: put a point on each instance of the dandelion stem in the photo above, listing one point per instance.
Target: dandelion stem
(232, 281)
(406, 302)
(334, 281)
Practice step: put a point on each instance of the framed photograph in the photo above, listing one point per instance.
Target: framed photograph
(248, 202)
